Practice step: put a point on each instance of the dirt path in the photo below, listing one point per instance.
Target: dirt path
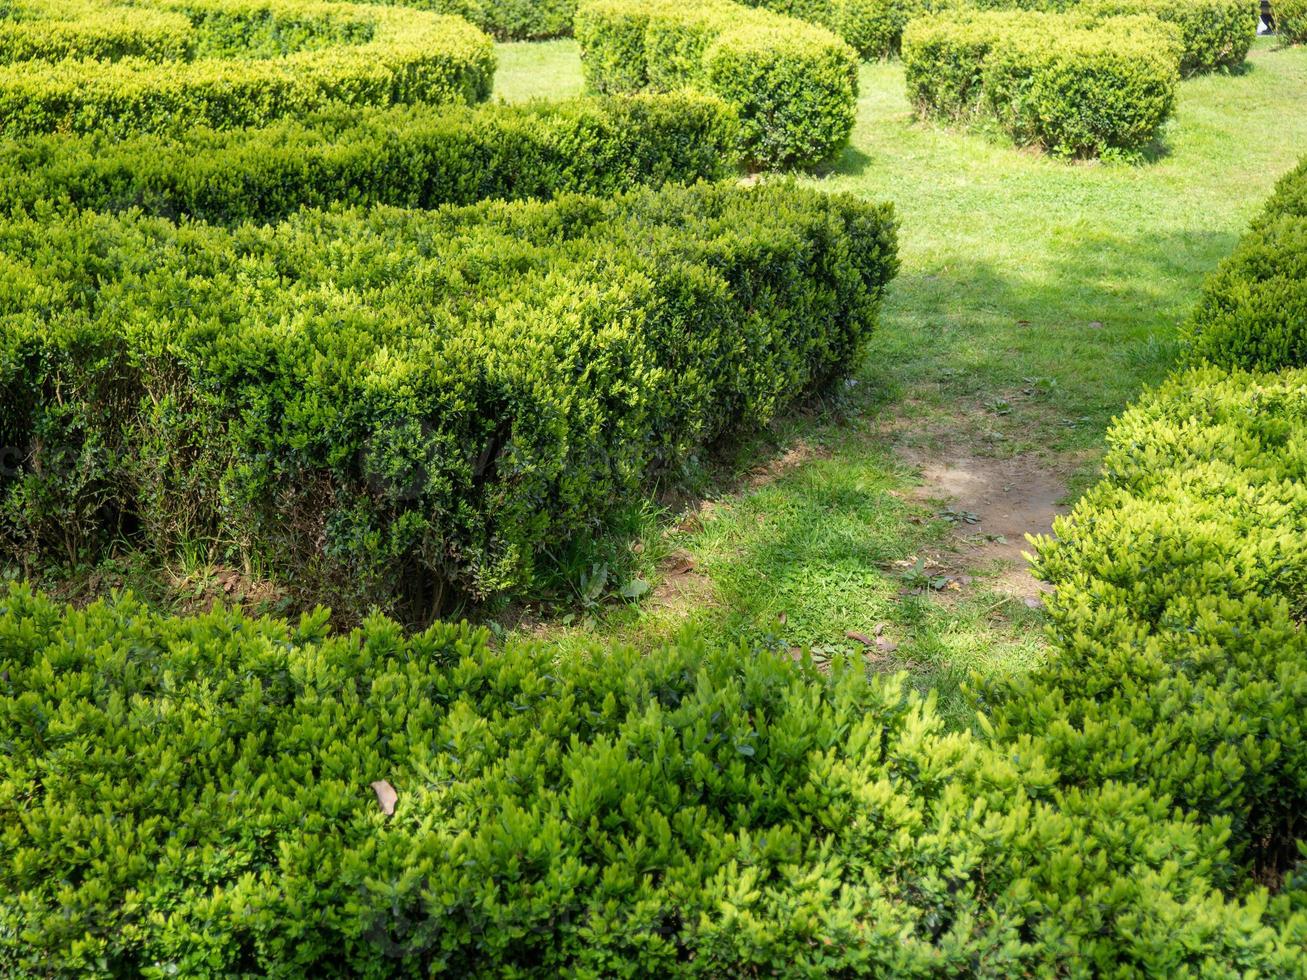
(993, 504)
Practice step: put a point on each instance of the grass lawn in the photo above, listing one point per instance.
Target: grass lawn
(1036, 299)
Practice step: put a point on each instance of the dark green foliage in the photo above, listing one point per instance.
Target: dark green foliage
(406, 156)
(402, 406)
(1073, 85)
(191, 797)
(1253, 313)
(1181, 581)
(230, 63)
(794, 85)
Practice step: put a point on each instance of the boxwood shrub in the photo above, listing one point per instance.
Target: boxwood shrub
(1181, 579)
(1216, 34)
(401, 407)
(1290, 20)
(246, 63)
(1072, 85)
(794, 84)
(192, 797)
(1253, 312)
(406, 156)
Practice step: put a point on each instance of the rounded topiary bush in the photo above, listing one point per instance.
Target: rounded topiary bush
(227, 63)
(794, 85)
(1215, 34)
(1073, 85)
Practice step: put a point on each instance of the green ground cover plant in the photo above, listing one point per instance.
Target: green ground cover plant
(409, 156)
(793, 84)
(227, 63)
(405, 407)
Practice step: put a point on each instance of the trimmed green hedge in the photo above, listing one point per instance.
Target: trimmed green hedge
(1181, 592)
(400, 407)
(1074, 86)
(191, 797)
(1253, 313)
(870, 27)
(247, 62)
(1290, 20)
(1216, 34)
(794, 85)
(406, 156)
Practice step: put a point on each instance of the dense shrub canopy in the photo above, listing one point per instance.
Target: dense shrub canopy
(691, 812)
(1253, 313)
(406, 156)
(794, 85)
(374, 402)
(226, 63)
(1073, 85)
(1181, 586)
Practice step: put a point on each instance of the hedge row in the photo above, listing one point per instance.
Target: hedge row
(246, 63)
(1181, 591)
(1253, 313)
(794, 85)
(194, 797)
(405, 156)
(507, 20)
(1073, 86)
(399, 407)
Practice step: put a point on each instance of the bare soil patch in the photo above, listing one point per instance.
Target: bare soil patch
(993, 504)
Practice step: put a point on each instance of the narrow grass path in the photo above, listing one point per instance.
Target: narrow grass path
(1036, 299)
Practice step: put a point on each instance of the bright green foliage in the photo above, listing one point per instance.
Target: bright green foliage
(406, 156)
(1253, 313)
(794, 84)
(871, 27)
(227, 63)
(1072, 85)
(1181, 589)
(1291, 20)
(395, 406)
(1216, 34)
(191, 796)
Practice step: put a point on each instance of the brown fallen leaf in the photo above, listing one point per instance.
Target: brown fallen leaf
(885, 646)
(862, 638)
(386, 796)
(880, 628)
